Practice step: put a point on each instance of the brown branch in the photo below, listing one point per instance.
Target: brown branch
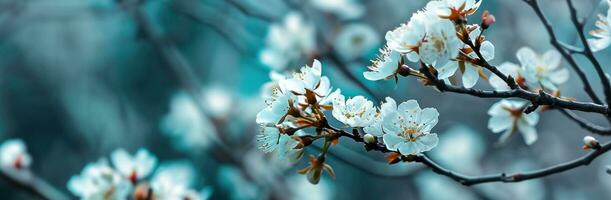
(587, 52)
(559, 47)
(596, 129)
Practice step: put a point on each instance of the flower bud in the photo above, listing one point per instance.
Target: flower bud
(487, 19)
(590, 143)
(369, 139)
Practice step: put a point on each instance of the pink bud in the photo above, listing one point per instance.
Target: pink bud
(487, 19)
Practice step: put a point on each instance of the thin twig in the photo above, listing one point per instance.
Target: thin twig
(514, 177)
(586, 124)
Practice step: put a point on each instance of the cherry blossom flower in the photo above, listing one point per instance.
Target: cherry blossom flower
(385, 66)
(409, 129)
(507, 116)
(172, 181)
(13, 155)
(288, 41)
(453, 9)
(308, 78)
(355, 40)
(354, 112)
(99, 181)
(602, 35)
(278, 105)
(471, 71)
(345, 9)
(406, 38)
(542, 69)
(387, 108)
(188, 129)
(440, 43)
(271, 139)
(135, 167)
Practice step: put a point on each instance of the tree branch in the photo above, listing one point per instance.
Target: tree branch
(541, 98)
(25, 180)
(586, 124)
(514, 177)
(588, 51)
(559, 47)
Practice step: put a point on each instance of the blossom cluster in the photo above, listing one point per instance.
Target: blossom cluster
(127, 177)
(295, 117)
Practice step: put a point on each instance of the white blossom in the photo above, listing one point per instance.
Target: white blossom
(471, 71)
(440, 43)
(289, 41)
(188, 129)
(217, 101)
(345, 9)
(135, 167)
(172, 181)
(507, 116)
(542, 69)
(355, 40)
(602, 35)
(388, 107)
(98, 181)
(354, 112)
(385, 66)
(270, 139)
(13, 155)
(409, 129)
(445, 8)
(406, 38)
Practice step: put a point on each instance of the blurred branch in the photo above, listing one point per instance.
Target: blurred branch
(26, 181)
(559, 47)
(179, 66)
(190, 12)
(249, 12)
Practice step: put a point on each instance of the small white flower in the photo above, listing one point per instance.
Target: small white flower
(471, 71)
(388, 107)
(354, 112)
(345, 9)
(276, 109)
(134, 167)
(385, 66)
(270, 139)
(13, 155)
(406, 38)
(308, 78)
(445, 8)
(409, 129)
(355, 40)
(99, 181)
(440, 44)
(602, 35)
(509, 69)
(188, 129)
(542, 69)
(218, 101)
(172, 181)
(508, 116)
(289, 41)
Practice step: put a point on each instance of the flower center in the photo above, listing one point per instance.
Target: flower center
(411, 134)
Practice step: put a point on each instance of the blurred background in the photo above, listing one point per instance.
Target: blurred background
(81, 78)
